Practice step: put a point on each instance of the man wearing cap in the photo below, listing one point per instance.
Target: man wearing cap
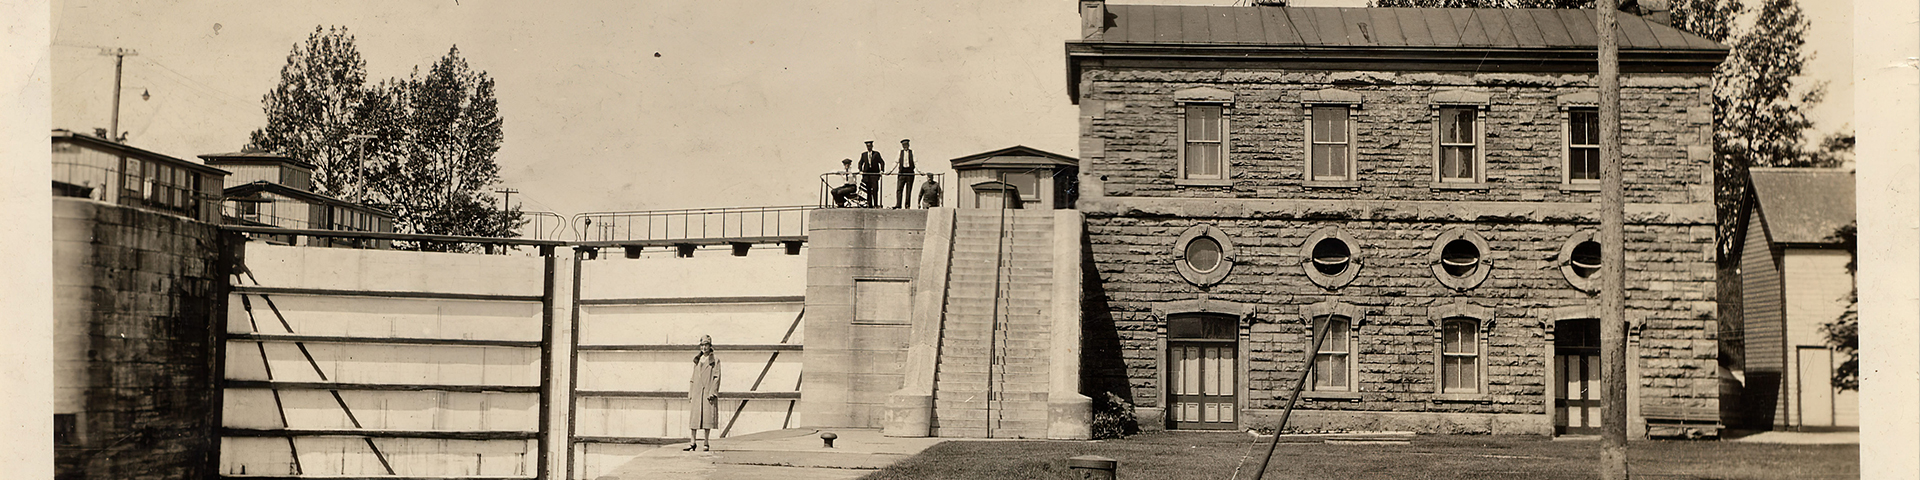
(870, 167)
(845, 194)
(903, 184)
(703, 396)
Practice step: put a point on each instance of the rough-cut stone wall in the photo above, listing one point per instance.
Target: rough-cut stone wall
(1666, 128)
(1392, 213)
(145, 298)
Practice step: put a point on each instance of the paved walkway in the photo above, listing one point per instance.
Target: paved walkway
(1802, 438)
(796, 454)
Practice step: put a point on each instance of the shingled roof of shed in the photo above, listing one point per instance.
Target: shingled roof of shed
(1386, 27)
(1804, 205)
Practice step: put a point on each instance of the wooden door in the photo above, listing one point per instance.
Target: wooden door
(1576, 389)
(1202, 372)
(1201, 381)
(1816, 386)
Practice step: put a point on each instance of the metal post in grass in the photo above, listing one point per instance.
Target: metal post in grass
(1093, 467)
(1613, 253)
(1319, 335)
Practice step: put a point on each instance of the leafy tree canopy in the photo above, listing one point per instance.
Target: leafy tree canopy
(422, 146)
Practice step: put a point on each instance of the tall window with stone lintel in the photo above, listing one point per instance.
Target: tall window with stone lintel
(1460, 356)
(1333, 366)
(1459, 138)
(1203, 152)
(1330, 132)
(1583, 145)
(1459, 145)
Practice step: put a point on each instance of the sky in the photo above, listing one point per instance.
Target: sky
(622, 105)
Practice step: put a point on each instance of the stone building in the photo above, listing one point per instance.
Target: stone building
(1419, 183)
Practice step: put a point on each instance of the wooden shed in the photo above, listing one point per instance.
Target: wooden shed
(1793, 279)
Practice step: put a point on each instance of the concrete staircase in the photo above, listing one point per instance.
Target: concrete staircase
(991, 377)
(995, 346)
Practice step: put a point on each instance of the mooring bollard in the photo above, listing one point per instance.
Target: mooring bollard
(1092, 467)
(828, 438)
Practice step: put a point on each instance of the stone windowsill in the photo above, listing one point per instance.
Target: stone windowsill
(1330, 184)
(1323, 395)
(1579, 187)
(1202, 182)
(1437, 186)
(1462, 398)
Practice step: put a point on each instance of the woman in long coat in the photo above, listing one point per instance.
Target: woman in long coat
(703, 395)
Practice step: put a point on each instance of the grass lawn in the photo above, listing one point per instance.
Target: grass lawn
(1162, 455)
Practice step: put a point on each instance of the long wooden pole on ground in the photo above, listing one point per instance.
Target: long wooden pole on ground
(1319, 335)
(1613, 266)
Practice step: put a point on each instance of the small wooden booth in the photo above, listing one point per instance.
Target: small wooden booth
(1040, 179)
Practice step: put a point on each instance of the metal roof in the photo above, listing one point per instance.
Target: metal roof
(249, 189)
(1385, 27)
(1017, 155)
(253, 158)
(1804, 205)
(62, 135)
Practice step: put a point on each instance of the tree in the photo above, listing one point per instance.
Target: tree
(422, 146)
(316, 110)
(1759, 118)
(1843, 333)
(1836, 150)
(436, 179)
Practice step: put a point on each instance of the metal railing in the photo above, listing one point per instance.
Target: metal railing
(888, 187)
(87, 180)
(700, 225)
(543, 226)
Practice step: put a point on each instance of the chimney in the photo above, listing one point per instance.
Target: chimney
(1657, 11)
(1093, 19)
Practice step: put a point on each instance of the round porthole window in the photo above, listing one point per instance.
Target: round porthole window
(1579, 261)
(1204, 255)
(1330, 258)
(1459, 259)
(1586, 259)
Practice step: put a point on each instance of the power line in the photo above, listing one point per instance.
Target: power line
(209, 88)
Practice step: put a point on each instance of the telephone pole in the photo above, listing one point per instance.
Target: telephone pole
(508, 203)
(119, 57)
(1613, 256)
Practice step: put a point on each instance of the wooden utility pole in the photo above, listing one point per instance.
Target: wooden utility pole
(119, 56)
(1306, 368)
(508, 203)
(1613, 265)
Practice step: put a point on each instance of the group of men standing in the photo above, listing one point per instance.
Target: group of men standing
(872, 167)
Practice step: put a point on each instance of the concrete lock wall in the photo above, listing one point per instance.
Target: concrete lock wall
(859, 302)
(133, 367)
(412, 344)
(640, 321)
